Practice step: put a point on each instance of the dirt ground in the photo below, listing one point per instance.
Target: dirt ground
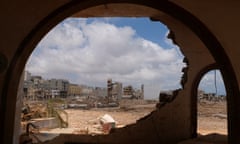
(82, 120)
(212, 117)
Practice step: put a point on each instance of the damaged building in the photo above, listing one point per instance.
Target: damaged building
(133, 93)
(37, 88)
(207, 33)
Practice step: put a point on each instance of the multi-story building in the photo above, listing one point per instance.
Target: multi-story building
(74, 90)
(35, 87)
(100, 92)
(59, 84)
(117, 91)
(86, 90)
(128, 92)
(31, 86)
(27, 76)
(54, 93)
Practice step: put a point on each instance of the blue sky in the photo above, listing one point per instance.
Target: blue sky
(208, 83)
(133, 51)
(154, 31)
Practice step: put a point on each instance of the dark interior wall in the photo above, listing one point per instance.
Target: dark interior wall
(18, 20)
(25, 23)
(221, 20)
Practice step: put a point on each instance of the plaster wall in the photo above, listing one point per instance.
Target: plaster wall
(222, 18)
(171, 123)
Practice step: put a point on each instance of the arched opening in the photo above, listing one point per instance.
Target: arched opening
(212, 106)
(204, 34)
(82, 54)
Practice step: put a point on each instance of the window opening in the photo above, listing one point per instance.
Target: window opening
(212, 111)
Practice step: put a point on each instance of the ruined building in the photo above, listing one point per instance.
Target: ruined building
(207, 33)
(115, 91)
(130, 92)
(37, 88)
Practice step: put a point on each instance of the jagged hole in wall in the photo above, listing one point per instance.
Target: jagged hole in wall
(87, 76)
(212, 111)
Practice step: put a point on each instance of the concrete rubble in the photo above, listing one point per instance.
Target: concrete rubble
(107, 123)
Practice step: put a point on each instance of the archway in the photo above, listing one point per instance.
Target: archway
(211, 104)
(24, 50)
(76, 42)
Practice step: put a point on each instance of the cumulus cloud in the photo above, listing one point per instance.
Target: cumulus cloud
(90, 53)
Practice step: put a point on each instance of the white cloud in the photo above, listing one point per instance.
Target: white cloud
(90, 53)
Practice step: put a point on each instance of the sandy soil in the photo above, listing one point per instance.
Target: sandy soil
(89, 119)
(211, 117)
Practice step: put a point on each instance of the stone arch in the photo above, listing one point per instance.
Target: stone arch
(16, 64)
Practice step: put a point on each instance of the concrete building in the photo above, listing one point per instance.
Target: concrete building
(142, 92)
(207, 33)
(86, 90)
(55, 93)
(36, 88)
(31, 95)
(117, 91)
(74, 90)
(128, 92)
(27, 76)
(32, 87)
(100, 92)
(59, 84)
(36, 80)
(133, 93)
